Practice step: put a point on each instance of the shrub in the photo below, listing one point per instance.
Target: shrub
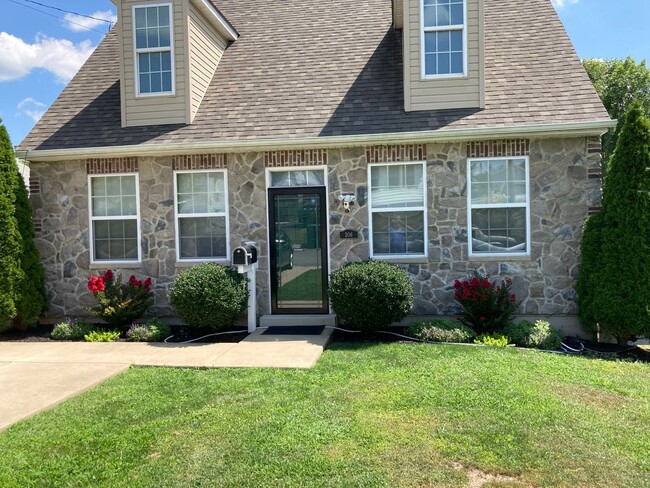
(209, 296)
(441, 330)
(539, 335)
(102, 336)
(11, 244)
(370, 294)
(487, 307)
(497, 340)
(616, 266)
(70, 330)
(590, 268)
(120, 303)
(153, 331)
(545, 337)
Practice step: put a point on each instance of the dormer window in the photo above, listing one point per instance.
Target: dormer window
(153, 50)
(444, 38)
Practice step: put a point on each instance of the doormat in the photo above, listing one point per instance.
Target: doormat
(295, 330)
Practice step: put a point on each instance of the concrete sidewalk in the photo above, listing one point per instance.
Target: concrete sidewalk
(35, 376)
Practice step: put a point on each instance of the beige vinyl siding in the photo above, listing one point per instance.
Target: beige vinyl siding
(442, 93)
(206, 48)
(154, 109)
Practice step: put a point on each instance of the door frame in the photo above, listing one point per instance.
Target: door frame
(321, 191)
(267, 179)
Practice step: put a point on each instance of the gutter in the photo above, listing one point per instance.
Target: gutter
(567, 129)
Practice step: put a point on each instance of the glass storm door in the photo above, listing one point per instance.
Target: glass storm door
(298, 250)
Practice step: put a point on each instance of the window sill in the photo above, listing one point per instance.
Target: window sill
(116, 264)
(500, 258)
(402, 259)
(189, 264)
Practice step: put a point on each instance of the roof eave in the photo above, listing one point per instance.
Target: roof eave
(219, 21)
(567, 129)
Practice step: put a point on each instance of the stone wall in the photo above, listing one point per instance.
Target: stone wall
(563, 190)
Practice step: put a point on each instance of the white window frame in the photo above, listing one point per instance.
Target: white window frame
(170, 49)
(399, 257)
(471, 207)
(92, 219)
(446, 28)
(225, 213)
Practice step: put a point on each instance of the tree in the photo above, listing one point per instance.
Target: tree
(615, 276)
(618, 82)
(29, 285)
(10, 240)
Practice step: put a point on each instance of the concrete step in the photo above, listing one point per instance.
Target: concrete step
(293, 320)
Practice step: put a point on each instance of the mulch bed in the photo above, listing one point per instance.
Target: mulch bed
(41, 333)
(606, 351)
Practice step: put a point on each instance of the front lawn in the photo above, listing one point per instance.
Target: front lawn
(368, 415)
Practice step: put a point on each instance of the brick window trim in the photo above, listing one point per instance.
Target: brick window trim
(396, 153)
(34, 186)
(190, 162)
(101, 166)
(295, 157)
(498, 148)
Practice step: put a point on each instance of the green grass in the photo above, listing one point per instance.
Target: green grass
(368, 415)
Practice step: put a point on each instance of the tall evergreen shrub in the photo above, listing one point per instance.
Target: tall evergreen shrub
(615, 278)
(11, 274)
(31, 298)
(590, 250)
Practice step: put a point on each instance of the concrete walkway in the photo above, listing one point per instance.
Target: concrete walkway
(35, 376)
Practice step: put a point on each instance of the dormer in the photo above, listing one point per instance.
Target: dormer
(170, 51)
(443, 49)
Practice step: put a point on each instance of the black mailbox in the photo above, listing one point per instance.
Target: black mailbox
(244, 255)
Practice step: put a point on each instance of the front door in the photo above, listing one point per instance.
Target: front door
(298, 250)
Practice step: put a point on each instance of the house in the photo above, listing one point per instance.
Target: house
(442, 135)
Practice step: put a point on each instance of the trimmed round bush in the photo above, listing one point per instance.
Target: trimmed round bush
(371, 294)
(209, 296)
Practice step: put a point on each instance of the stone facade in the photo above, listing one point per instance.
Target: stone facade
(563, 191)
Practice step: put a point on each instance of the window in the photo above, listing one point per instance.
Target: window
(153, 49)
(201, 215)
(498, 199)
(443, 38)
(114, 216)
(397, 209)
(309, 177)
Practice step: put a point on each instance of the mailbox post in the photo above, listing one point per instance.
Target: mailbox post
(245, 257)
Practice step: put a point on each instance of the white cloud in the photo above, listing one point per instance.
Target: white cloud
(78, 23)
(559, 4)
(60, 57)
(32, 108)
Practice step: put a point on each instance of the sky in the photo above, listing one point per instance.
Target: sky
(42, 48)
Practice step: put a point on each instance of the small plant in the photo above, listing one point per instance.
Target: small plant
(120, 303)
(487, 307)
(209, 296)
(70, 330)
(153, 331)
(539, 335)
(370, 295)
(441, 330)
(102, 336)
(497, 340)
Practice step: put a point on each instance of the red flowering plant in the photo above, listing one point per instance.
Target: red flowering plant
(120, 303)
(487, 307)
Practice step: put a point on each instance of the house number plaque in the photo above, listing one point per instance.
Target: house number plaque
(349, 234)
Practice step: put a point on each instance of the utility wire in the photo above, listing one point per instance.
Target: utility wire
(69, 11)
(62, 18)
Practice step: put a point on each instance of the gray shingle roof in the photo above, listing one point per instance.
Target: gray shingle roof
(333, 67)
